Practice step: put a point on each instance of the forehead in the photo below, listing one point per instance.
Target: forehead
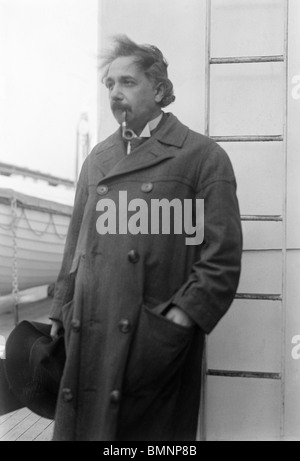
(124, 65)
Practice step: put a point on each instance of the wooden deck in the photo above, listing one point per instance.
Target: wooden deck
(23, 425)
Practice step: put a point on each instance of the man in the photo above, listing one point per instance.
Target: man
(135, 306)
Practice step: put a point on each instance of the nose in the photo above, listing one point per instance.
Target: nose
(116, 94)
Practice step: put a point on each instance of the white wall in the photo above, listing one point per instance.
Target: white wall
(292, 400)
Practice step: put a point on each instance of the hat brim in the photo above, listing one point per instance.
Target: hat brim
(34, 366)
(8, 400)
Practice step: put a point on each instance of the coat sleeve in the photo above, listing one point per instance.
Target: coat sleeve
(212, 284)
(64, 285)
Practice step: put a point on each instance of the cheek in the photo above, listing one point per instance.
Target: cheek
(147, 100)
(141, 101)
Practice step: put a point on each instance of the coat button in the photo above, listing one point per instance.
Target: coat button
(115, 396)
(75, 324)
(133, 256)
(124, 326)
(147, 187)
(102, 190)
(67, 394)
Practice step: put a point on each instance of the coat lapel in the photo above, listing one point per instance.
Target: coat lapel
(112, 160)
(111, 152)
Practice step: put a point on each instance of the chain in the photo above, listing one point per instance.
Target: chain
(44, 231)
(15, 285)
(13, 227)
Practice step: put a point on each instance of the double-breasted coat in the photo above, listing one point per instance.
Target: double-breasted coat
(130, 373)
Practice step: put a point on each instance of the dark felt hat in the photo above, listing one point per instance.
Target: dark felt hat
(8, 400)
(34, 366)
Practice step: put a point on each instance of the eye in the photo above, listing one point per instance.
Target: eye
(109, 85)
(128, 82)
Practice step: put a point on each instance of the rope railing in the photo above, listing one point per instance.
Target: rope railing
(15, 220)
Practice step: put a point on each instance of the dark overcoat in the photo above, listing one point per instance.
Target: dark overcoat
(130, 373)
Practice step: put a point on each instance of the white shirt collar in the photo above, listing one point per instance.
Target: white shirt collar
(146, 133)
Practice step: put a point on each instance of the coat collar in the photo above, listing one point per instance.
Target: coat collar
(111, 156)
(172, 132)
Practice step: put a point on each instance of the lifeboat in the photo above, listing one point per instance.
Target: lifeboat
(32, 237)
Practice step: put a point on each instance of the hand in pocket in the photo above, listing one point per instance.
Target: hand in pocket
(177, 315)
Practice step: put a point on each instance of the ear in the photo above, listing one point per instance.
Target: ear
(159, 92)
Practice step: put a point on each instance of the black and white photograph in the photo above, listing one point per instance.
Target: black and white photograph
(149, 223)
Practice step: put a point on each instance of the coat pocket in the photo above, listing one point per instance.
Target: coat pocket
(157, 353)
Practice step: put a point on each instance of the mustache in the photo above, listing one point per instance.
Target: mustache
(118, 106)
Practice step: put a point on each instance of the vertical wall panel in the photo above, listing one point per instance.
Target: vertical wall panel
(293, 160)
(261, 272)
(292, 363)
(248, 99)
(247, 338)
(262, 235)
(258, 170)
(243, 99)
(242, 409)
(246, 28)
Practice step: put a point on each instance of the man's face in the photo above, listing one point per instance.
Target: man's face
(131, 91)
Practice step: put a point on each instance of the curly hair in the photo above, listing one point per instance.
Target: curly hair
(149, 59)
